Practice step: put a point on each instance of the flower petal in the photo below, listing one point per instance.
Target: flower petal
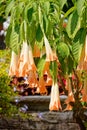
(50, 55)
(14, 64)
(55, 99)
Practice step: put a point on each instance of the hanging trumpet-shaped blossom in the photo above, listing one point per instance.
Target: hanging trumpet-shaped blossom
(24, 60)
(31, 65)
(14, 64)
(55, 99)
(50, 55)
(84, 92)
(32, 70)
(82, 65)
(70, 95)
(36, 52)
(42, 87)
(46, 73)
(32, 79)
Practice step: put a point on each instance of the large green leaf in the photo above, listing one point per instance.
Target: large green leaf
(46, 7)
(78, 43)
(62, 3)
(9, 7)
(73, 24)
(14, 39)
(45, 23)
(70, 65)
(25, 29)
(40, 66)
(21, 32)
(39, 34)
(40, 18)
(19, 11)
(28, 11)
(80, 4)
(54, 70)
(8, 34)
(63, 51)
(29, 14)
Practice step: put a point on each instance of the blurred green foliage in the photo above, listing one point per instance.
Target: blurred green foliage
(6, 92)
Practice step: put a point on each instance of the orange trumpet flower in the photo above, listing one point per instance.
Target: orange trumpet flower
(84, 93)
(55, 99)
(50, 55)
(31, 65)
(14, 64)
(42, 87)
(36, 52)
(83, 58)
(46, 73)
(32, 79)
(24, 60)
(70, 95)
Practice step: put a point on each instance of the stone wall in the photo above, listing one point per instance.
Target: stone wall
(41, 121)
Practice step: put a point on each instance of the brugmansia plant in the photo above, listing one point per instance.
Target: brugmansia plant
(46, 40)
(35, 25)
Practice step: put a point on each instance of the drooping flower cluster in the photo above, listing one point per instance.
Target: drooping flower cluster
(23, 65)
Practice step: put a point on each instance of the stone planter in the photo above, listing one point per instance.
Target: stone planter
(40, 118)
(36, 103)
(41, 121)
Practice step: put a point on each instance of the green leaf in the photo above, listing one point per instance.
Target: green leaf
(21, 32)
(54, 70)
(9, 8)
(29, 14)
(25, 29)
(73, 24)
(63, 51)
(76, 50)
(40, 18)
(46, 6)
(78, 43)
(19, 10)
(80, 4)
(8, 34)
(80, 36)
(45, 23)
(70, 65)
(74, 1)
(40, 66)
(62, 3)
(28, 11)
(39, 34)
(31, 32)
(14, 40)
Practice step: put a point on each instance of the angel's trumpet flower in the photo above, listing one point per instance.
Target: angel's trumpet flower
(46, 73)
(36, 52)
(84, 93)
(14, 64)
(83, 58)
(31, 60)
(42, 87)
(32, 79)
(55, 99)
(50, 55)
(24, 60)
(70, 95)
